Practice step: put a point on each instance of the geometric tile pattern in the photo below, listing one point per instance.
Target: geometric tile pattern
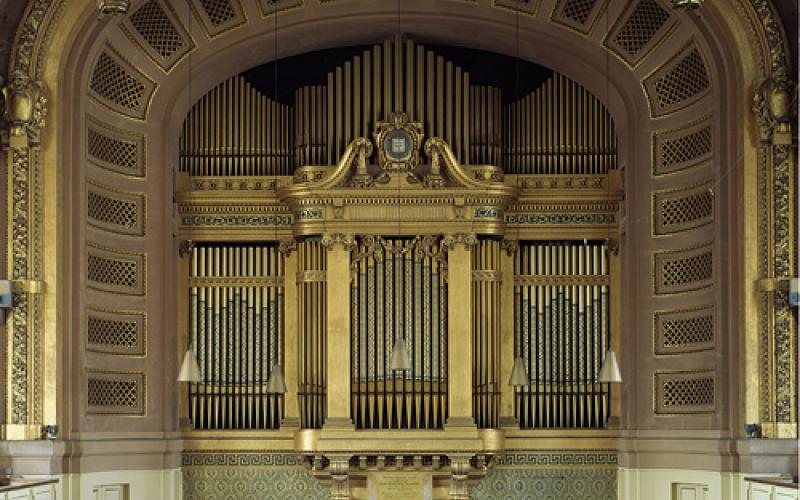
(212, 476)
(503, 483)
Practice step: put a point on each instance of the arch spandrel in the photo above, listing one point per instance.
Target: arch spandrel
(60, 42)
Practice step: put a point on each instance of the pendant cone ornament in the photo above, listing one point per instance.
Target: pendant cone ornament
(519, 376)
(190, 370)
(609, 371)
(400, 359)
(276, 384)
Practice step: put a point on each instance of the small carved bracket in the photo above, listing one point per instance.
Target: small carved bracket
(469, 240)
(347, 241)
(185, 248)
(25, 105)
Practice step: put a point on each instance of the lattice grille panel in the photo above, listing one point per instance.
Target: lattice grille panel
(682, 332)
(677, 152)
(113, 271)
(218, 11)
(682, 210)
(647, 18)
(684, 270)
(698, 392)
(578, 10)
(672, 86)
(114, 213)
(119, 155)
(115, 393)
(680, 272)
(112, 81)
(111, 332)
(157, 30)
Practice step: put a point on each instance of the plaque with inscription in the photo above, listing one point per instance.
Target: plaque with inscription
(400, 486)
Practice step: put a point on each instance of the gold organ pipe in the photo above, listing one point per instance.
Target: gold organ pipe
(409, 81)
(419, 115)
(440, 80)
(448, 103)
(348, 104)
(467, 159)
(376, 84)
(459, 131)
(368, 124)
(357, 98)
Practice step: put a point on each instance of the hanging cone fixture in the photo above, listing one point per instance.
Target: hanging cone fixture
(519, 375)
(400, 359)
(190, 370)
(276, 384)
(609, 371)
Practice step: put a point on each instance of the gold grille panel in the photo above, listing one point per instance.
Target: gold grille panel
(684, 270)
(113, 271)
(682, 210)
(684, 330)
(164, 42)
(640, 29)
(685, 392)
(677, 151)
(678, 85)
(578, 10)
(115, 393)
(115, 332)
(115, 211)
(119, 86)
(219, 12)
(113, 149)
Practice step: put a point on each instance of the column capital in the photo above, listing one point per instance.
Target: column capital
(332, 240)
(451, 240)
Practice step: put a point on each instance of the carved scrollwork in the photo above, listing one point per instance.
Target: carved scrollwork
(286, 247)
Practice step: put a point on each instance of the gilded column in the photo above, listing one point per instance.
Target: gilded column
(459, 328)
(31, 390)
(507, 418)
(338, 330)
(777, 332)
(291, 332)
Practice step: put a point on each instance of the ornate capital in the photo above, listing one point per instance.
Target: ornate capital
(774, 103)
(510, 246)
(347, 241)
(339, 469)
(286, 247)
(459, 473)
(24, 104)
(469, 240)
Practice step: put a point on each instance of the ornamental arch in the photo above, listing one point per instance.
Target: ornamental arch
(95, 235)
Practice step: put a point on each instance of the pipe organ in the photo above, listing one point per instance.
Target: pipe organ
(236, 297)
(399, 291)
(397, 197)
(559, 128)
(561, 307)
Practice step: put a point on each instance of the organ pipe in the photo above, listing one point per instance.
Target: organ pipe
(559, 128)
(234, 130)
(398, 289)
(236, 300)
(562, 328)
